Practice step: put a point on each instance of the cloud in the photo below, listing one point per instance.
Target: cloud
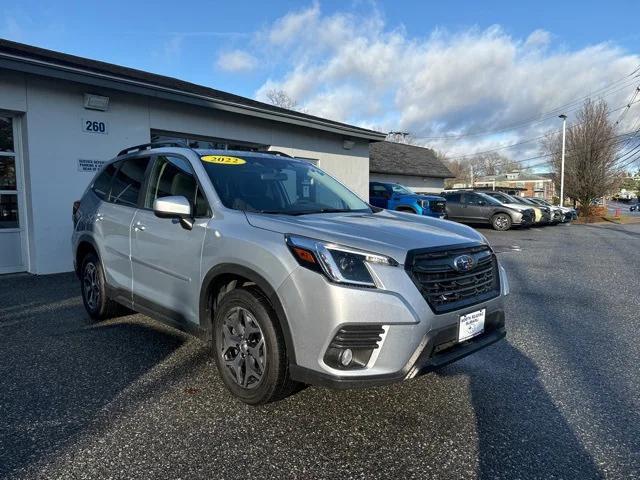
(361, 70)
(12, 29)
(236, 61)
(173, 47)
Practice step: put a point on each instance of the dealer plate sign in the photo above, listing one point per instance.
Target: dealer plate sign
(471, 324)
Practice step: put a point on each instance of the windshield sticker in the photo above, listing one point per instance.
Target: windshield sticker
(222, 159)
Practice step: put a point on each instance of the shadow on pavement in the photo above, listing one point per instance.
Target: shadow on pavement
(57, 371)
(521, 432)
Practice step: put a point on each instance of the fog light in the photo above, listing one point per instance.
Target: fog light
(346, 356)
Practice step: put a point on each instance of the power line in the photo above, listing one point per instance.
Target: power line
(630, 79)
(522, 142)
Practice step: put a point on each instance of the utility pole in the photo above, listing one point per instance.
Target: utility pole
(564, 134)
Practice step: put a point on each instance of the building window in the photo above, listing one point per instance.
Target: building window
(208, 143)
(9, 217)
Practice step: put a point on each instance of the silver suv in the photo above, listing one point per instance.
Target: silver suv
(293, 278)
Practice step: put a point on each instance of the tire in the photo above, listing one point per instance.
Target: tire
(249, 348)
(501, 222)
(94, 292)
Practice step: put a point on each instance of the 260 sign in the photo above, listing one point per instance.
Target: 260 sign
(95, 126)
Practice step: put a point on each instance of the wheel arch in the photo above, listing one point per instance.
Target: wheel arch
(221, 274)
(406, 209)
(85, 245)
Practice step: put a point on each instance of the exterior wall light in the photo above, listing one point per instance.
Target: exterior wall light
(96, 102)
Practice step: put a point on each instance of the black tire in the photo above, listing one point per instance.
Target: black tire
(96, 301)
(274, 382)
(501, 222)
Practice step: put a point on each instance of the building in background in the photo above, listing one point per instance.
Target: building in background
(527, 184)
(415, 167)
(62, 116)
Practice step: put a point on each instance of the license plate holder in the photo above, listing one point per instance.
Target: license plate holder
(471, 324)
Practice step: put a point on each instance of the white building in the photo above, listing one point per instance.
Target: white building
(61, 116)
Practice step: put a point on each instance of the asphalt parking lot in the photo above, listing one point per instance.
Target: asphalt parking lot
(131, 398)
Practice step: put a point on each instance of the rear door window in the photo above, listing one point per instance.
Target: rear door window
(453, 197)
(127, 183)
(102, 184)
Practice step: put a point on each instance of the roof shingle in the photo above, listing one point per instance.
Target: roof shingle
(402, 159)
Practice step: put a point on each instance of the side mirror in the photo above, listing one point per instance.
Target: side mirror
(174, 207)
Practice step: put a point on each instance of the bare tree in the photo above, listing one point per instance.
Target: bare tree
(590, 160)
(491, 163)
(461, 170)
(280, 98)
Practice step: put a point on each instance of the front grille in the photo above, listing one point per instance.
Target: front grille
(438, 206)
(444, 287)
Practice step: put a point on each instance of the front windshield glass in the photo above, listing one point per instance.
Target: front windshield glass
(489, 199)
(400, 189)
(271, 184)
(515, 199)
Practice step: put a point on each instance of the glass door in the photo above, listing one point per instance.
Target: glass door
(11, 221)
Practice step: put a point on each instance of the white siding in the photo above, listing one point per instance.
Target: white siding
(54, 141)
(415, 183)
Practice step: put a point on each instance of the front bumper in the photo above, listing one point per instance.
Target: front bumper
(440, 349)
(416, 340)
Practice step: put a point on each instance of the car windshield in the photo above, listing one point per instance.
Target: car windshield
(515, 199)
(278, 185)
(489, 199)
(400, 189)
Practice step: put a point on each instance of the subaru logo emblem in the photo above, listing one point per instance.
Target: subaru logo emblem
(463, 263)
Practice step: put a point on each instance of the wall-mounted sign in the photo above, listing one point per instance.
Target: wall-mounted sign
(86, 165)
(95, 126)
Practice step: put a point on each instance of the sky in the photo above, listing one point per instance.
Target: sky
(462, 77)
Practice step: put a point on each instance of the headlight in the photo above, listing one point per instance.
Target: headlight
(338, 263)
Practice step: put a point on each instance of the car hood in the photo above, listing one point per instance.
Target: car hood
(386, 232)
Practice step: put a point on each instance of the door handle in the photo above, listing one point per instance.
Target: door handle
(139, 227)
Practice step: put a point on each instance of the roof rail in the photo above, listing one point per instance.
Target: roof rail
(276, 153)
(147, 146)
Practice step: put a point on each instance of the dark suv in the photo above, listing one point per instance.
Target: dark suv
(475, 207)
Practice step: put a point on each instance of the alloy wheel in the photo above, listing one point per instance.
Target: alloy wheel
(91, 286)
(243, 347)
(501, 222)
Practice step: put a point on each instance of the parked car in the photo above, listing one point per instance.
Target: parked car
(292, 277)
(474, 207)
(557, 215)
(566, 214)
(393, 196)
(542, 214)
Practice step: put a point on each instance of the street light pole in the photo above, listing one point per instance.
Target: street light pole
(564, 133)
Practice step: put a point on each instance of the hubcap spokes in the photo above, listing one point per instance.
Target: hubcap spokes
(91, 286)
(243, 348)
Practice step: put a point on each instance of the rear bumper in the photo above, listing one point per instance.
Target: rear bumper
(438, 349)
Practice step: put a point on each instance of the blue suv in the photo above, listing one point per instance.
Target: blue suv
(393, 196)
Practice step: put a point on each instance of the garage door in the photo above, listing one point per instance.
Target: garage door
(11, 217)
